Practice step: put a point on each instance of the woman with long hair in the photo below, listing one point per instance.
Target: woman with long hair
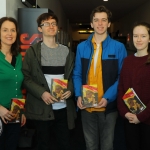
(135, 74)
(11, 78)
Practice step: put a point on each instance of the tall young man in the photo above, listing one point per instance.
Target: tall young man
(44, 61)
(98, 61)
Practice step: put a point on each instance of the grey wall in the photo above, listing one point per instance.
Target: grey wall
(2, 8)
(125, 24)
(140, 14)
(12, 7)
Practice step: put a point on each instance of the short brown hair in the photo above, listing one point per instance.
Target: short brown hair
(100, 9)
(46, 16)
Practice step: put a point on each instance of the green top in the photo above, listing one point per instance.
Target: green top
(10, 80)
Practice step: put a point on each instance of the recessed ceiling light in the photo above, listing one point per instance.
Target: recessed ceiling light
(105, 0)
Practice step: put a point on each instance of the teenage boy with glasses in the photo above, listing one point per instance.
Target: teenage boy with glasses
(44, 61)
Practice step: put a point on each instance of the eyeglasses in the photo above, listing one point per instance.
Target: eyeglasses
(47, 24)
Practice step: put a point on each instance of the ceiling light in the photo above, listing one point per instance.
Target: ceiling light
(85, 32)
(105, 0)
(82, 31)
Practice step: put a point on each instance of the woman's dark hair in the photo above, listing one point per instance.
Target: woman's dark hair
(15, 49)
(46, 16)
(100, 9)
(147, 26)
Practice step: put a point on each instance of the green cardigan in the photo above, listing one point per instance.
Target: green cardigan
(10, 80)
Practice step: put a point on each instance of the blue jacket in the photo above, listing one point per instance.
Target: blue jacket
(113, 55)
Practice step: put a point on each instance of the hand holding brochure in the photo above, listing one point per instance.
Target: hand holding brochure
(58, 87)
(89, 95)
(17, 106)
(133, 102)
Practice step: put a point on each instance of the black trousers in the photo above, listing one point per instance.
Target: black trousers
(10, 136)
(137, 136)
(59, 126)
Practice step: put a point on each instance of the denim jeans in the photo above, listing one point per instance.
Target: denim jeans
(98, 129)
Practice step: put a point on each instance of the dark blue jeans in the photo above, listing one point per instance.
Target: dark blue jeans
(10, 136)
(60, 128)
(98, 129)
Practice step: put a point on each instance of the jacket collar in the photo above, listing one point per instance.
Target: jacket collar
(104, 43)
(37, 51)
